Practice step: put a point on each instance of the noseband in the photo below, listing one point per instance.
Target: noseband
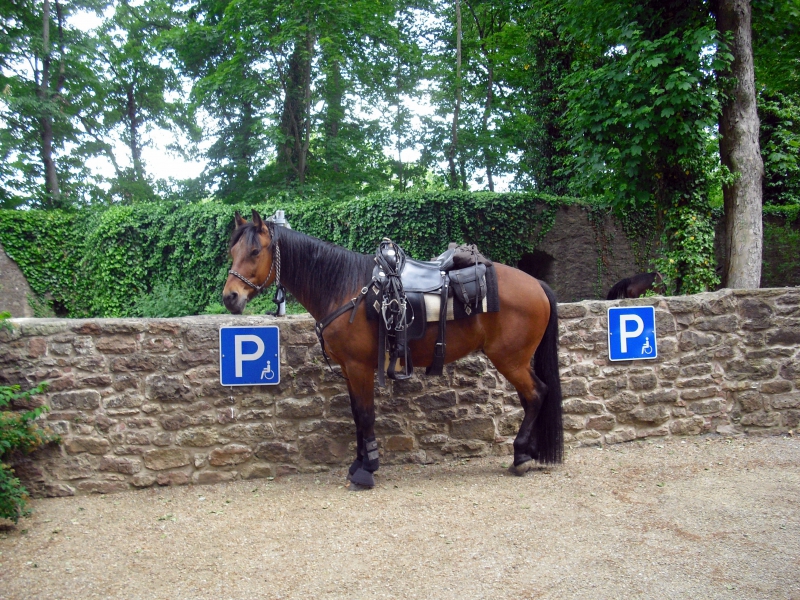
(280, 291)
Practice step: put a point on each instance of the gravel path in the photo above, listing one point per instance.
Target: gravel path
(699, 518)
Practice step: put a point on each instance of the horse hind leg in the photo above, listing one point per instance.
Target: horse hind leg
(532, 392)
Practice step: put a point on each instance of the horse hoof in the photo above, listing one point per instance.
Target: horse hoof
(353, 468)
(362, 479)
(524, 465)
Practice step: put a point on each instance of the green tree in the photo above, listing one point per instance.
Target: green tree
(41, 74)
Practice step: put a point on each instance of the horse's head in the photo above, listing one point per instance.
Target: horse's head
(252, 251)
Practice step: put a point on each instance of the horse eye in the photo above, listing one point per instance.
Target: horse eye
(254, 252)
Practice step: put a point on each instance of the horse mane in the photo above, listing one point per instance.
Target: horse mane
(321, 275)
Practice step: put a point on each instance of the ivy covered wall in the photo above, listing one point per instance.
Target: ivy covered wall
(97, 262)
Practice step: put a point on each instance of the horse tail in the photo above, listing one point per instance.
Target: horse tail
(548, 428)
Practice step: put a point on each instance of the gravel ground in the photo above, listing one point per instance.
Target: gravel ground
(699, 518)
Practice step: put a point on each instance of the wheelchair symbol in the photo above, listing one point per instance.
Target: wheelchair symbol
(647, 348)
(267, 373)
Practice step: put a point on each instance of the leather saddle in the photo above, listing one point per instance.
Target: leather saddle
(397, 295)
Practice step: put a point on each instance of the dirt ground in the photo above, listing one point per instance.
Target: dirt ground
(698, 518)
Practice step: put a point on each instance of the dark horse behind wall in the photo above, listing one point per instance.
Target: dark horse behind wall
(636, 286)
(324, 277)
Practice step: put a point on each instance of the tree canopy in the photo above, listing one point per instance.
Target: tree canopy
(618, 100)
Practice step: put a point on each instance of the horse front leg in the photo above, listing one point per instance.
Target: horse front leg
(362, 403)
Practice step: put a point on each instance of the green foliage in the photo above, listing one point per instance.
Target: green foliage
(783, 241)
(159, 258)
(164, 301)
(19, 432)
(780, 147)
(687, 265)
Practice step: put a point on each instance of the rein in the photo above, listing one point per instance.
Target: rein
(280, 291)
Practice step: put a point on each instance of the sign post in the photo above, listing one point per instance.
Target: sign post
(632, 333)
(249, 355)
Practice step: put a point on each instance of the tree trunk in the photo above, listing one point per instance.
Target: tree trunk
(133, 130)
(46, 120)
(740, 152)
(451, 154)
(295, 121)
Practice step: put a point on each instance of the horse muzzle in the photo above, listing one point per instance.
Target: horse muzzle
(234, 302)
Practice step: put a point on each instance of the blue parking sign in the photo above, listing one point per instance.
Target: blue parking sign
(632, 333)
(249, 356)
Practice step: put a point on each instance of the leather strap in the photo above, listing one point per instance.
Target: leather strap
(437, 366)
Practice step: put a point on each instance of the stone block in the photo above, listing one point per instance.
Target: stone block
(166, 458)
(589, 437)
(705, 407)
(618, 436)
(573, 422)
(78, 400)
(473, 428)
(659, 397)
(174, 421)
(509, 423)
(789, 336)
(581, 407)
(137, 363)
(574, 387)
(655, 414)
(791, 418)
(699, 394)
(279, 452)
(317, 448)
(749, 370)
(645, 381)
(690, 426)
(778, 386)
(116, 345)
(257, 471)
(436, 401)
(761, 419)
(601, 423)
(76, 445)
(250, 432)
(173, 478)
(167, 388)
(607, 387)
(197, 438)
(232, 454)
(571, 311)
(302, 408)
(125, 400)
(622, 403)
(102, 487)
(722, 324)
(782, 401)
(128, 466)
(692, 340)
(466, 448)
(749, 400)
(399, 443)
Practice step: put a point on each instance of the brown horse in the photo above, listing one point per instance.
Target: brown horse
(325, 277)
(636, 286)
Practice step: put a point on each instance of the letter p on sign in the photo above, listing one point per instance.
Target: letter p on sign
(632, 333)
(249, 355)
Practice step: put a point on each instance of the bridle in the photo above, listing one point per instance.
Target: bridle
(280, 291)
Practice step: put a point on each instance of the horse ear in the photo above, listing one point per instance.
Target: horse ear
(238, 219)
(257, 220)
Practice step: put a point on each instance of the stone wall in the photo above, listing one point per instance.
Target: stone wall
(138, 402)
(14, 288)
